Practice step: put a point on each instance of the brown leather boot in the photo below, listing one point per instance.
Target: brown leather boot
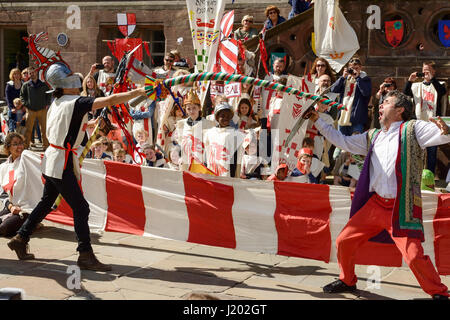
(88, 261)
(20, 246)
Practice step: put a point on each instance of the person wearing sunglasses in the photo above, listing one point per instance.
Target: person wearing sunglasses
(320, 67)
(273, 17)
(166, 71)
(16, 207)
(246, 31)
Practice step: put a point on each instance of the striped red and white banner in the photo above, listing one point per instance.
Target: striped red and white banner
(285, 218)
(226, 25)
(228, 48)
(228, 53)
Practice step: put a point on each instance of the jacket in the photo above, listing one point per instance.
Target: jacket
(34, 96)
(363, 92)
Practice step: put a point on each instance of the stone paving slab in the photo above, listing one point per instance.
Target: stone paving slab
(148, 268)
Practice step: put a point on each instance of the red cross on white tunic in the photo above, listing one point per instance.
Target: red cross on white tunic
(10, 185)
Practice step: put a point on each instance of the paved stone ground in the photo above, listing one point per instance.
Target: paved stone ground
(147, 268)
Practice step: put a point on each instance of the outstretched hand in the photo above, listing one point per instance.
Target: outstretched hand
(441, 125)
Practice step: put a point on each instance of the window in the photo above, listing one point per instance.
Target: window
(154, 35)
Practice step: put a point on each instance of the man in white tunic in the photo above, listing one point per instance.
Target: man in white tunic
(67, 118)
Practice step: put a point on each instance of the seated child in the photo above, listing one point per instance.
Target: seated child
(253, 166)
(152, 157)
(245, 113)
(302, 171)
(348, 173)
(280, 173)
(97, 151)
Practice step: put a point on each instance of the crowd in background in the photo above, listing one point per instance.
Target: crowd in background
(160, 128)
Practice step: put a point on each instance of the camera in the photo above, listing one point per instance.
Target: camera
(387, 85)
(420, 74)
(99, 66)
(351, 71)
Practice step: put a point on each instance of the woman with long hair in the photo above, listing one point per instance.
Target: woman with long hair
(320, 67)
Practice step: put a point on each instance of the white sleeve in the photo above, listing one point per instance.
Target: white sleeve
(428, 134)
(356, 144)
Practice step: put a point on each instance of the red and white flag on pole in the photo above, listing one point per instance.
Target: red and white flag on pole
(126, 23)
(227, 54)
(226, 25)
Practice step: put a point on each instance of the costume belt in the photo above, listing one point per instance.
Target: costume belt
(68, 150)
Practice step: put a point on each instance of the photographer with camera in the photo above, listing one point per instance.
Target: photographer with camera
(355, 89)
(102, 72)
(427, 96)
(388, 84)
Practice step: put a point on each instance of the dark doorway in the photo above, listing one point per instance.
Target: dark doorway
(13, 52)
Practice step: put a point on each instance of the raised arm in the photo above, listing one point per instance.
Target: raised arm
(431, 133)
(117, 98)
(356, 144)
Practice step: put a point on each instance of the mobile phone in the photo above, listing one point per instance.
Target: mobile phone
(351, 71)
(420, 74)
(99, 66)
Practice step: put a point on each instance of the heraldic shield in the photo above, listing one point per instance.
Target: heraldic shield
(444, 32)
(394, 32)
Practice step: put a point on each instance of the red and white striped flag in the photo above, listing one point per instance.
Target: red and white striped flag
(263, 216)
(227, 53)
(226, 25)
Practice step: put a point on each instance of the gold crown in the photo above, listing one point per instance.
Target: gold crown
(191, 98)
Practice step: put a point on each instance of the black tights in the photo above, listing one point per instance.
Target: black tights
(70, 190)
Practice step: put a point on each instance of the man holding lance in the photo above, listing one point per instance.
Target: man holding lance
(387, 204)
(67, 118)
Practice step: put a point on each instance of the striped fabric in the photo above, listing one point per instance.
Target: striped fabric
(228, 48)
(226, 25)
(285, 218)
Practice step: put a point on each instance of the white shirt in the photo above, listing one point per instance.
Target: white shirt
(384, 154)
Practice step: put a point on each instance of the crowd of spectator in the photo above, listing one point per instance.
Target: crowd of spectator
(181, 129)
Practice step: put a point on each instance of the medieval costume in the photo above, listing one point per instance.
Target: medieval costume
(387, 200)
(67, 119)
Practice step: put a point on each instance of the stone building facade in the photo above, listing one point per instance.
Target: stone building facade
(159, 22)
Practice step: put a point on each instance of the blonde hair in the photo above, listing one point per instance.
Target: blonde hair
(247, 17)
(95, 144)
(141, 131)
(12, 72)
(118, 152)
(97, 90)
(17, 102)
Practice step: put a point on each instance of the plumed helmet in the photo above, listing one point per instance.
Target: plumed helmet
(58, 75)
(191, 98)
